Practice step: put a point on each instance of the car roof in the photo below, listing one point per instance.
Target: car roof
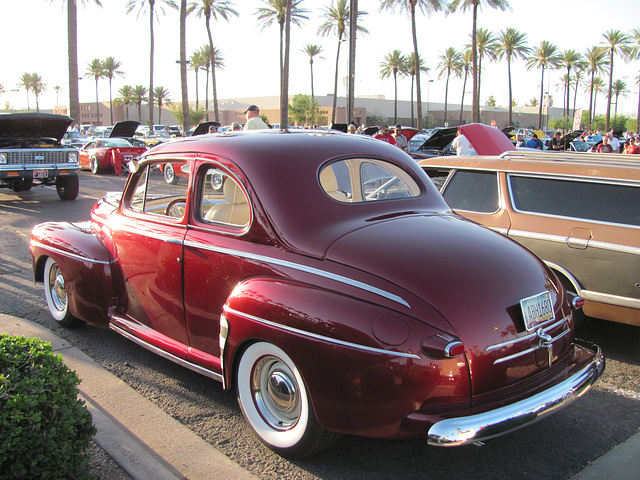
(610, 166)
(283, 168)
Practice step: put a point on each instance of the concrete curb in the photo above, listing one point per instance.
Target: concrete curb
(145, 441)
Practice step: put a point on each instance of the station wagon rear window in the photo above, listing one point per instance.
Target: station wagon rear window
(604, 202)
(472, 191)
(367, 180)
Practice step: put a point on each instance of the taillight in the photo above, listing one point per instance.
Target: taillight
(577, 302)
(442, 345)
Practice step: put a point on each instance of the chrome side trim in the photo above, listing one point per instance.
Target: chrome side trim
(67, 254)
(610, 299)
(529, 350)
(299, 267)
(483, 426)
(560, 239)
(167, 355)
(323, 338)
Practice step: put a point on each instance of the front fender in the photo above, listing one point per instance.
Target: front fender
(362, 363)
(84, 262)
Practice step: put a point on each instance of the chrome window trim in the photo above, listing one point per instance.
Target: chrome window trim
(299, 267)
(572, 179)
(67, 254)
(561, 239)
(323, 338)
(452, 174)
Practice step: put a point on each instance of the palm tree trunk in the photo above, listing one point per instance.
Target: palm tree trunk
(186, 121)
(608, 123)
(417, 63)
(412, 112)
(151, 49)
(97, 105)
(312, 94)
(206, 94)
(510, 120)
(475, 112)
(591, 106)
(541, 95)
(446, 95)
(72, 46)
(464, 87)
(395, 98)
(284, 93)
(335, 83)
(110, 103)
(638, 115)
(213, 72)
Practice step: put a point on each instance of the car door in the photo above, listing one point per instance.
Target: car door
(478, 195)
(147, 239)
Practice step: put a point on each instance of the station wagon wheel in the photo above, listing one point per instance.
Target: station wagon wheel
(170, 175)
(56, 294)
(275, 402)
(94, 165)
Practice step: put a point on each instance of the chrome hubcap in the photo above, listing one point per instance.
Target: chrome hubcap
(275, 393)
(57, 288)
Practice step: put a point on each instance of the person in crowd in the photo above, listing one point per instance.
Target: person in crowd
(254, 122)
(631, 147)
(605, 146)
(520, 140)
(352, 128)
(535, 142)
(385, 135)
(614, 142)
(401, 140)
(461, 144)
(235, 126)
(556, 144)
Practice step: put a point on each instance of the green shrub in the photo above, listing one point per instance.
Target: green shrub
(45, 430)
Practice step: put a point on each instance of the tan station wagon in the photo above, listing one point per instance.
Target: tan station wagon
(578, 212)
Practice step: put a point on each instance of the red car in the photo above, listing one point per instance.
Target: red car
(330, 284)
(114, 152)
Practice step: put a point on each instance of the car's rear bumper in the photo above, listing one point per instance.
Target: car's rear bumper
(493, 423)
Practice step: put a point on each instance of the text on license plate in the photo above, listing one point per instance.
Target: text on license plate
(40, 174)
(536, 309)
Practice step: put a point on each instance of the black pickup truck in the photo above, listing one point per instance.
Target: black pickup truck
(31, 153)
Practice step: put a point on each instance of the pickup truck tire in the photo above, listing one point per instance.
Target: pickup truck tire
(68, 187)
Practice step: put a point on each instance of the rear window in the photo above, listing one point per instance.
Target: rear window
(472, 191)
(603, 202)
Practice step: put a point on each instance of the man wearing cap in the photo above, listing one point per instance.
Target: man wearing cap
(401, 140)
(254, 122)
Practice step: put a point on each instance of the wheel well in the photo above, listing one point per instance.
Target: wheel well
(568, 281)
(38, 272)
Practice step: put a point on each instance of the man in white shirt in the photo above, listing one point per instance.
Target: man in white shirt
(254, 122)
(614, 142)
(461, 144)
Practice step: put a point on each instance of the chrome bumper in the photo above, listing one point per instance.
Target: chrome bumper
(478, 428)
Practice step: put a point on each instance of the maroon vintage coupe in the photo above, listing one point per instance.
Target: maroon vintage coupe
(327, 282)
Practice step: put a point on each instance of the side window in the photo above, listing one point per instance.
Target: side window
(161, 189)
(367, 180)
(222, 200)
(577, 199)
(472, 191)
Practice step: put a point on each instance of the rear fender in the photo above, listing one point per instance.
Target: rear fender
(353, 355)
(84, 262)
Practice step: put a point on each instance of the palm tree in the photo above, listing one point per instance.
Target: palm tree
(125, 97)
(337, 18)
(142, 5)
(37, 87)
(619, 88)
(597, 86)
(425, 6)
(275, 12)
(473, 5)
(139, 96)
(577, 81)
(56, 89)
(26, 81)
(162, 97)
(186, 117)
(411, 65)
(614, 39)
(72, 51)
(596, 62)
(467, 57)
(450, 62)
(511, 45)
(486, 44)
(95, 69)
(394, 63)
(543, 56)
(312, 51)
(632, 53)
(205, 54)
(197, 62)
(110, 69)
(216, 9)
(570, 59)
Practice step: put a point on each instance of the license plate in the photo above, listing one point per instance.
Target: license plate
(40, 173)
(536, 309)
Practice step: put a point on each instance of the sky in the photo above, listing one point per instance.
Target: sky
(34, 39)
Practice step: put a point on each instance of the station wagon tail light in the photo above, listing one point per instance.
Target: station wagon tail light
(577, 302)
(442, 345)
(73, 157)
(3, 158)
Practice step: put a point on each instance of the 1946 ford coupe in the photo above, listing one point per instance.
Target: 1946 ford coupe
(324, 278)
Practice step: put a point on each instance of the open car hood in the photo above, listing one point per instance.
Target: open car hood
(440, 139)
(203, 128)
(486, 140)
(124, 129)
(17, 126)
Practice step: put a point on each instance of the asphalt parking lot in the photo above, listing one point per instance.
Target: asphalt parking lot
(556, 447)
